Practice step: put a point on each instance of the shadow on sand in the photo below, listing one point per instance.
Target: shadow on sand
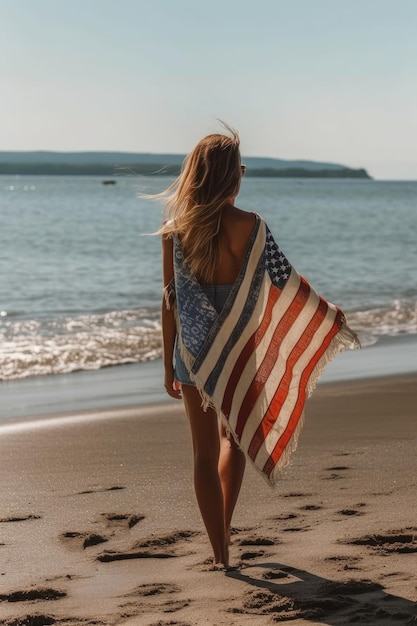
(286, 593)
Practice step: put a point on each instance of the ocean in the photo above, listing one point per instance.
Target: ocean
(80, 285)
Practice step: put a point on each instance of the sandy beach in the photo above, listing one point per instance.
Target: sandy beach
(99, 524)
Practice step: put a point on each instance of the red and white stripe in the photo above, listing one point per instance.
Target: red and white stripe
(262, 388)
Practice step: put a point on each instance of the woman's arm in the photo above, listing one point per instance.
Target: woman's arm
(169, 327)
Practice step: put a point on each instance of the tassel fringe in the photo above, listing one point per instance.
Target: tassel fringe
(346, 339)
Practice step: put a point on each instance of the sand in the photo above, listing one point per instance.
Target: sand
(99, 525)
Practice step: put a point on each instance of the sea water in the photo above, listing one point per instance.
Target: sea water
(80, 277)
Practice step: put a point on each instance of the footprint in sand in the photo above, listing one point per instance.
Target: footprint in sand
(296, 529)
(31, 620)
(345, 563)
(173, 605)
(110, 556)
(166, 540)
(153, 589)
(257, 541)
(135, 609)
(265, 602)
(100, 490)
(250, 555)
(170, 623)
(350, 512)
(401, 541)
(334, 469)
(86, 540)
(18, 518)
(284, 517)
(114, 521)
(66, 577)
(310, 507)
(399, 575)
(154, 547)
(29, 595)
(237, 530)
(204, 566)
(275, 575)
(123, 520)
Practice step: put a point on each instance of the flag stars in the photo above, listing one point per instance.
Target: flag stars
(279, 267)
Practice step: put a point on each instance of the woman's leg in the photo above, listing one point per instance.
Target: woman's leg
(208, 488)
(231, 469)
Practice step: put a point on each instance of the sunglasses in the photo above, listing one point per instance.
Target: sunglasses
(243, 169)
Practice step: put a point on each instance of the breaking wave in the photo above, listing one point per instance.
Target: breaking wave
(87, 342)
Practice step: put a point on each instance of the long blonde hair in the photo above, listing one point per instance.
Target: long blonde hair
(210, 178)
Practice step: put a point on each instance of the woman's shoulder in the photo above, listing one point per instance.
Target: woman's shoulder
(236, 229)
(235, 216)
(243, 214)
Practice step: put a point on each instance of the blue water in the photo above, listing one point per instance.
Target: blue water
(80, 283)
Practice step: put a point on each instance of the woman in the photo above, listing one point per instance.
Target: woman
(214, 235)
(233, 348)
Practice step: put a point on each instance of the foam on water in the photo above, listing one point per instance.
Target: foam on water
(88, 342)
(400, 318)
(85, 342)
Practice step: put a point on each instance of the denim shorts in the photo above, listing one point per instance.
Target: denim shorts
(217, 295)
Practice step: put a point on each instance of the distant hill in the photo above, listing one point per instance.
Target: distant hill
(110, 163)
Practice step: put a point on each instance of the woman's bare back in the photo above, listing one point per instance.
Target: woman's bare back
(236, 228)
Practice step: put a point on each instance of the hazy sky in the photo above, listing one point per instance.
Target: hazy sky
(329, 80)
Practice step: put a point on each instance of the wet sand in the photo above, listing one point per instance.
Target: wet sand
(99, 524)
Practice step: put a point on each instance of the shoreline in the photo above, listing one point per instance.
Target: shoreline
(109, 498)
(326, 388)
(140, 384)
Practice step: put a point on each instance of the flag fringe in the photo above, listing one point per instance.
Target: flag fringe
(345, 339)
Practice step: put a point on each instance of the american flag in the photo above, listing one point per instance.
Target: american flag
(259, 359)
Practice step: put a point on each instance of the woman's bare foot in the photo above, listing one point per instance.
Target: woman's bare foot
(223, 561)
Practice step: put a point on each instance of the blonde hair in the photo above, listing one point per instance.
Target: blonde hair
(209, 179)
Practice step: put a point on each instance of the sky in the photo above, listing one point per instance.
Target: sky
(324, 80)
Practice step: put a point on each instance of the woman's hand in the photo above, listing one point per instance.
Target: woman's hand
(172, 387)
